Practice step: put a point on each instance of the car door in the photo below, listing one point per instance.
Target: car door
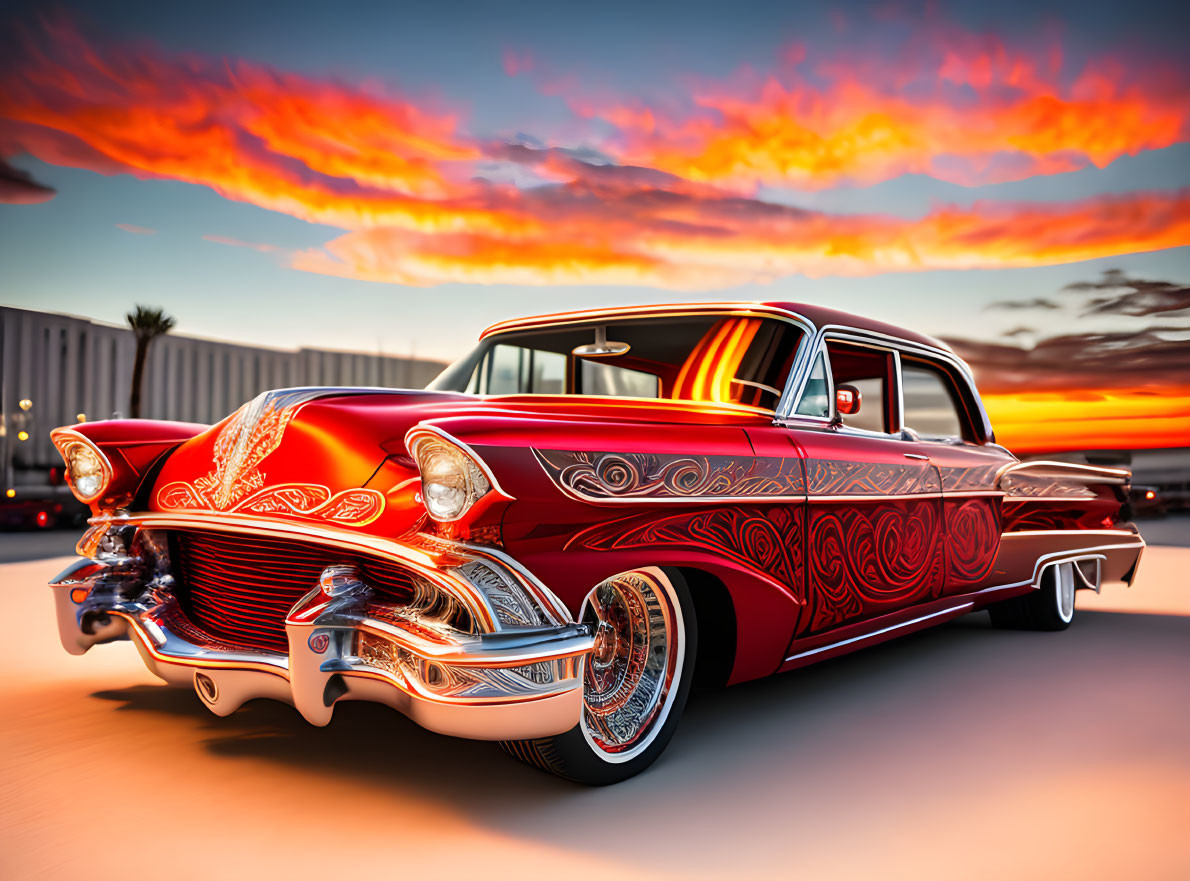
(874, 503)
(939, 412)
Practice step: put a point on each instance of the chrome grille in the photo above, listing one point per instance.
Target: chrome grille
(239, 587)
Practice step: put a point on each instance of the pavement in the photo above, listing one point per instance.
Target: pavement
(962, 752)
(17, 546)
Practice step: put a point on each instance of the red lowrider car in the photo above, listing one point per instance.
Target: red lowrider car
(575, 522)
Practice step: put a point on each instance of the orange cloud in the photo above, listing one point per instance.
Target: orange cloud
(955, 105)
(402, 178)
(687, 242)
(136, 230)
(317, 150)
(1092, 419)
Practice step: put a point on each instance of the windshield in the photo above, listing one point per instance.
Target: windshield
(706, 358)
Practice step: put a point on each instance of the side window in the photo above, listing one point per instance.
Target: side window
(549, 373)
(514, 370)
(506, 366)
(931, 404)
(869, 371)
(815, 400)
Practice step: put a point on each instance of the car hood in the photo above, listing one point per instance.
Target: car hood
(338, 456)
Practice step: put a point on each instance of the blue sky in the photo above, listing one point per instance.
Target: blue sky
(68, 254)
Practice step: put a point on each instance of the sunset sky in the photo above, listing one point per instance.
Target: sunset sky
(397, 176)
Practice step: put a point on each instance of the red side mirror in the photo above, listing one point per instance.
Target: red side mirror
(847, 400)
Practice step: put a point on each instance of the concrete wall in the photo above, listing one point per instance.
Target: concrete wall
(67, 366)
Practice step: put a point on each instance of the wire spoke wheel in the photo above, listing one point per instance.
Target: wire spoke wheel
(629, 677)
(635, 679)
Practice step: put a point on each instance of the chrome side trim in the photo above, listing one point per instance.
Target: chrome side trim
(1065, 468)
(880, 632)
(1073, 555)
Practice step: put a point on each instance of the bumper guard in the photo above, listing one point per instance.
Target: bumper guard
(511, 684)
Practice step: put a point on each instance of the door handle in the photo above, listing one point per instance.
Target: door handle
(917, 456)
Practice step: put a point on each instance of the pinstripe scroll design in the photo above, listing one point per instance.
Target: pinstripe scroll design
(766, 539)
(597, 476)
(837, 477)
(868, 559)
(972, 539)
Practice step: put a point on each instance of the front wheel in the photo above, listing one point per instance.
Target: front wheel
(635, 681)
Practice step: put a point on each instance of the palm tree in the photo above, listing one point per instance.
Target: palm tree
(147, 324)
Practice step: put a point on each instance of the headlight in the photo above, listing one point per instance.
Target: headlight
(451, 481)
(87, 470)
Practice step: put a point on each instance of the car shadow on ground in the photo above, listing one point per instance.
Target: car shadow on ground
(930, 718)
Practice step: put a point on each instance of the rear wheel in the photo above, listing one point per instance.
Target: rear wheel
(1050, 607)
(635, 681)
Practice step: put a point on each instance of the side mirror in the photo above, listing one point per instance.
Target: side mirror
(847, 400)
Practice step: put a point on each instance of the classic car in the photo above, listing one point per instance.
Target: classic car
(577, 521)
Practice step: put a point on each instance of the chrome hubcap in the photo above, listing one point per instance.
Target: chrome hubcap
(629, 676)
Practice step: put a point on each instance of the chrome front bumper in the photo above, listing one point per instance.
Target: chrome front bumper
(511, 684)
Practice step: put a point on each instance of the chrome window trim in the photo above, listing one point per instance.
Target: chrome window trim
(887, 341)
(543, 322)
(820, 347)
(627, 313)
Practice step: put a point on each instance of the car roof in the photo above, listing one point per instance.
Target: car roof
(818, 316)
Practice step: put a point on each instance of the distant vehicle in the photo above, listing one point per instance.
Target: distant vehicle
(41, 508)
(548, 545)
(1147, 501)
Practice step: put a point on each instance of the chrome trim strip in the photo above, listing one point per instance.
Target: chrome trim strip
(879, 632)
(928, 495)
(1091, 473)
(1119, 532)
(1067, 556)
(676, 310)
(1073, 554)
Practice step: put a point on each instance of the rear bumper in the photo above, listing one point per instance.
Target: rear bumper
(509, 685)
